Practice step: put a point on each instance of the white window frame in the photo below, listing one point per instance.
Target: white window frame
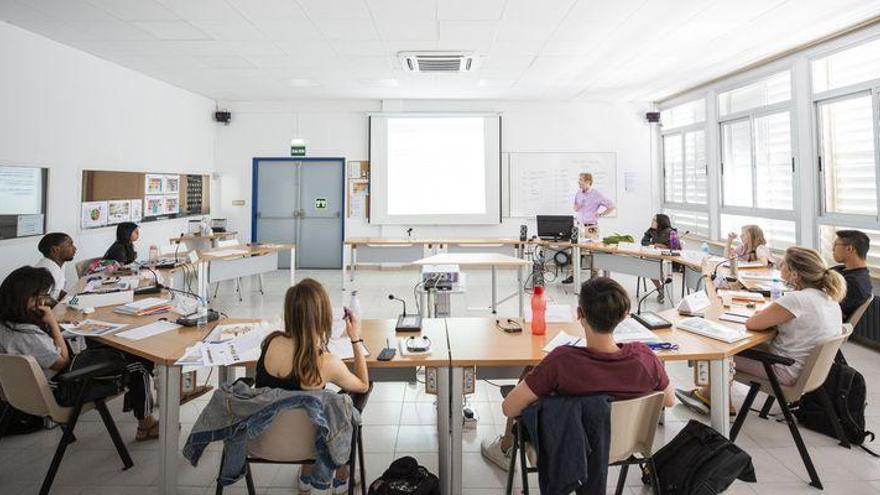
(681, 131)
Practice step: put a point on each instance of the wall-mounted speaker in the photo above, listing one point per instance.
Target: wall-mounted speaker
(223, 117)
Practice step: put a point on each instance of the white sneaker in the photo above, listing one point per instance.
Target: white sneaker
(304, 484)
(492, 451)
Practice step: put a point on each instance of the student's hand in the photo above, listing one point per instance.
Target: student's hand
(353, 327)
(48, 315)
(731, 236)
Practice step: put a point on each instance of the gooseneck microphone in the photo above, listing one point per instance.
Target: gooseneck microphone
(177, 248)
(392, 298)
(732, 259)
(661, 287)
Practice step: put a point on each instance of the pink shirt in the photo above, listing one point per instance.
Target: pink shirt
(587, 205)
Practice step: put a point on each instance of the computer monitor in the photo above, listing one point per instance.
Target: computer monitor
(555, 227)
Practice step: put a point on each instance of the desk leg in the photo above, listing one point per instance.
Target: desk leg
(169, 435)
(423, 304)
(719, 376)
(444, 438)
(202, 281)
(520, 292)
(456, 424)
(292, 267)
(494, 290)
(223, 373)
(576, 268)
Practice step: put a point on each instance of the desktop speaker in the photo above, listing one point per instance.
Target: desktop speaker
(574, 234)
(652, 117)
(523, 232)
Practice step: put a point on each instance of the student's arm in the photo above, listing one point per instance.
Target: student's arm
(359, 381)
(728, 248)
(762, 254)
(517, 400)
(769, 317)
(55, 332)
(606, 203)
(669, 395)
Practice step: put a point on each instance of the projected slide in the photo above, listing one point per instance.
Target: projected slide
(21, 191)
(435, 169)
(436, 166)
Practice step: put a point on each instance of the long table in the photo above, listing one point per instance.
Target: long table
(218, 265)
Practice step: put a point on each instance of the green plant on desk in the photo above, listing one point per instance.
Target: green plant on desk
(617, 238)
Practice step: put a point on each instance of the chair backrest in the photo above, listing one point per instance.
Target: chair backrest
(289, 438)
(819, 362)
(633, 424)
(222, 243)
(856, 315)
(25, 387)
(83, 265)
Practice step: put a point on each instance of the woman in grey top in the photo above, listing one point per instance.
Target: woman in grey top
(28, 327)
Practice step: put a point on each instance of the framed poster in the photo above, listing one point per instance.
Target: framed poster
(154, 206)
(154, 184)
(172, 205)
(94, 214)
(172, 184)
(137, 210)
(118, 211)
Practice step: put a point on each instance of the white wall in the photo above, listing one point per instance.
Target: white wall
(68, 111)
(340, 128)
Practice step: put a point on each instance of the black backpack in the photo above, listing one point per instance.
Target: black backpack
(406, 477)
(17, 422)
(699, 460)
(846, 388)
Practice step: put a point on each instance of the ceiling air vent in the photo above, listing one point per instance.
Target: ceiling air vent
(437, 61)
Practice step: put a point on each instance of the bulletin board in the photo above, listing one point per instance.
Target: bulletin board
(112, 197)
(23, 196)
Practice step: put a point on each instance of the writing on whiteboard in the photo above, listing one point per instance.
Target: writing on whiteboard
(545, 183)
(21, 191)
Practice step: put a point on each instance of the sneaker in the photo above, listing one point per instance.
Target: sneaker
(340, 486)
(304, 483)
(569, 280)
(492, 451)
(693, 400)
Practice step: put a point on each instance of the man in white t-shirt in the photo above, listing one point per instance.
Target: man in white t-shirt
(57, 249)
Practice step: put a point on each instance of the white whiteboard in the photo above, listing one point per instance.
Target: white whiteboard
(545, 183)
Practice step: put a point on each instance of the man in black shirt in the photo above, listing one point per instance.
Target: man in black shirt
(851, 248)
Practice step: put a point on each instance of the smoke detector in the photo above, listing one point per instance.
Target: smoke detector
(438, 61)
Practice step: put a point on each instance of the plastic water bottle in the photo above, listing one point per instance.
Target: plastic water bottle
(154, 255)
(704, 248)
(674, 242)
(775, 289)
(539, 310)
(354, 304)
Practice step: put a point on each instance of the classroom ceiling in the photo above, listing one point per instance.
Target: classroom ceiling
(526, 49)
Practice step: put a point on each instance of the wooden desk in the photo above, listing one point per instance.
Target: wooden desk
(255, 259)
(202, 242)
(494, 261)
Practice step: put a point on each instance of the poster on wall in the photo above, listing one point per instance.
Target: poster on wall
(137, 209)
(172, 205)
(94, 214)
(118, 211)
(154, 184)
(172, 184)
(154, 205)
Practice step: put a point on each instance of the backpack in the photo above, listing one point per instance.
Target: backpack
(846, 388)
(699, 460)
(405, 477)
(100, 387)
(18, 422)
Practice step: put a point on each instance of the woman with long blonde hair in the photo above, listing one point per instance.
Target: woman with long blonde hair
(753, 245)
(803, 318)
(297, 358)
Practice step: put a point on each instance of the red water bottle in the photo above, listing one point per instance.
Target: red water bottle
(539, 310)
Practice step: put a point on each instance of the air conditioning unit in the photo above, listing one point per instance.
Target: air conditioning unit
(438, 61)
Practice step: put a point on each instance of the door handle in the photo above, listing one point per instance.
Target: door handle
(337, 214)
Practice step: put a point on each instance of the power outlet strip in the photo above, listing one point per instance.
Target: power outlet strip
(431, 381)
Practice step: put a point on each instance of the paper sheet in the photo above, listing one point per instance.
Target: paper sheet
(91, 328)
(556, 313)
(342, 349)
(629, 330)
(148, 331)
(563, 338)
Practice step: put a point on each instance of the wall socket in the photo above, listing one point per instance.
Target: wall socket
(469, 379)
(431, 381)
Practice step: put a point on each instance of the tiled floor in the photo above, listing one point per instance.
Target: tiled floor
(400, 420)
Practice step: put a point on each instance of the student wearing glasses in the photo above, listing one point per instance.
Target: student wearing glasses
(850, 249)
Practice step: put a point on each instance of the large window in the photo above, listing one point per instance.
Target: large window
(847, 67)
(767, 91)
(826, 239)
(779, 234)
(693, 222)
(684, 154)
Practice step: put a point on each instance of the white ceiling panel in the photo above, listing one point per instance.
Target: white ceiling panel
(470, 10)
(172, 30)
(526, 49)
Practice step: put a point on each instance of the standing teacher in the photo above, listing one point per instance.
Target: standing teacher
(589, 205)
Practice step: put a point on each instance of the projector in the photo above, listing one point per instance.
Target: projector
(440, 277)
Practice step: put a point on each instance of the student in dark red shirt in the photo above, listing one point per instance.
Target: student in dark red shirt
(623, 371)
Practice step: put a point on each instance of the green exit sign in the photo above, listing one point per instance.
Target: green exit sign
(298, 150)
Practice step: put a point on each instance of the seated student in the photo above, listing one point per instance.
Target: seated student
(659, 236)
(28, 327)
(297, 358)
(122, 250)
(802, 318)
(851, 249)
(753, 246)
(623, 371)
(57, 249)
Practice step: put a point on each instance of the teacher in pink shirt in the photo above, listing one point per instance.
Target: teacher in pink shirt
(588, 202)
(589, 205)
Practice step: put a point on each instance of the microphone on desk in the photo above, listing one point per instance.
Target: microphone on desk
(732, 259)
(392, 298)
(405, 322)
(642, 299)
(177, 248)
